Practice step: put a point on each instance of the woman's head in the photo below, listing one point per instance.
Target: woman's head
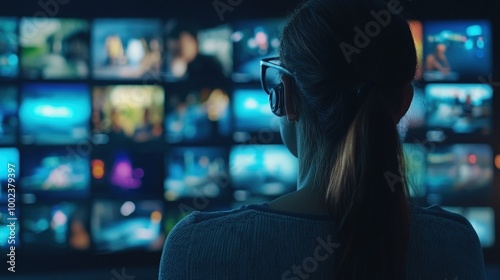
(352, 64)
(332, 48)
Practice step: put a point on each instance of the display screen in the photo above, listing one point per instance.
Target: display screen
(197, 54)
(54, 113)
(127, 114)
(197, 115)
(56, 49)
(127, 225)
(459, 173)
(9, 43)
(460, 108)
(417, 32)
(196, 172)
(122, 173)
(262, 170)
(457, 50)
(126, 48)
(252, 41)
(54, 173)
(252, 112)
(55, 226)
(8, 114)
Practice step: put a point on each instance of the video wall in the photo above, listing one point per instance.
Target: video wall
(448, 130)
(117, 128)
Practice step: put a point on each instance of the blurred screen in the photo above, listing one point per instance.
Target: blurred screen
(54, 113)
(59, 50)
(127, 225)
(413, 121)
(127, 174)
(252, 41)
(8, 156)
(197, 54)
(262, 170)
(197, 115)
(415, 160)
(56, 226)
(461, 108)
(126, 48)
(252, 112)
(457, 50)
(482, 220)
(172, 217)
(6, 241)
(195, 172)
(128, 113)
(459, 173)
(8, 114)
(9, 60)
(161, 147)
(416, 30)
(55, 173)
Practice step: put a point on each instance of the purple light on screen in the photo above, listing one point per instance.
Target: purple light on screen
(123, 175)
(138, 173)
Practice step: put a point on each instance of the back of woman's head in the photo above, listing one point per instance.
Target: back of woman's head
(352, 63)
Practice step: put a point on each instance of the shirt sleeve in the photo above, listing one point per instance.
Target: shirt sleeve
(469, 246)
(174, 259)
(448, 248)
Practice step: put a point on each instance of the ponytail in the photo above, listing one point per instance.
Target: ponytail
(367, 192)
(353, 152)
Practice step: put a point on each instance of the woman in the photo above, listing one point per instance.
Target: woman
(350, 217)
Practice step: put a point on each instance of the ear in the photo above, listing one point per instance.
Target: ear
(290, 109)
(407, 99)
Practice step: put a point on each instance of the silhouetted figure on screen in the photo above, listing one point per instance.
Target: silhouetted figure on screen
(184, 59)
(467, 107)
(438, 60)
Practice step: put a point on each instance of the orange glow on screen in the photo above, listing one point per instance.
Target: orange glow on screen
(97, 168)
(416, 30)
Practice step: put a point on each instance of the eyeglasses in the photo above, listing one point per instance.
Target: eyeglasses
(271, 72)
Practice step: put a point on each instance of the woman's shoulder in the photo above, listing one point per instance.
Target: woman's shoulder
(436, 222)
(429, 221)
(438, 214)
(431, 215)
(434, 229)
(437, 235)
(211, 219)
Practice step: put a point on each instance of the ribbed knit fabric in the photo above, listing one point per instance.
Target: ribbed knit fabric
(259, 243)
